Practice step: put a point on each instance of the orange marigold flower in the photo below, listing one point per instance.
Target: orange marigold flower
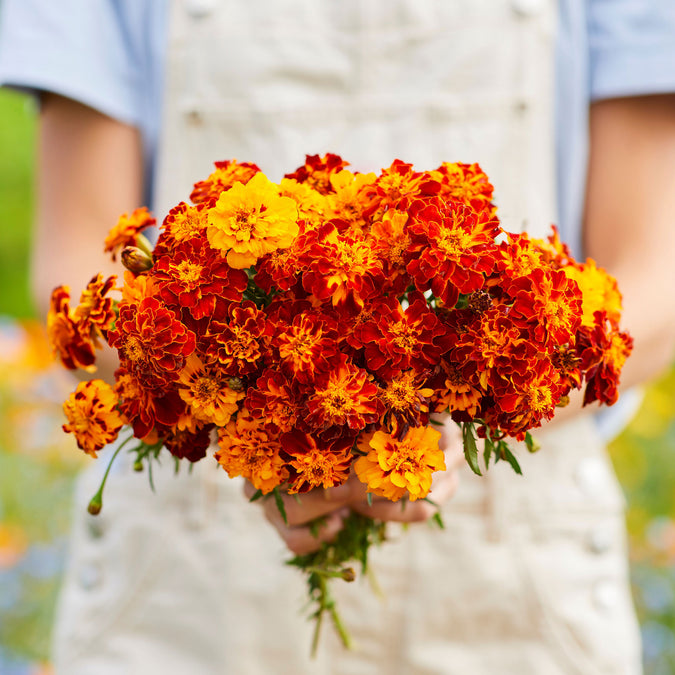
(390, 241)
(453, 249)
(251, 220)
(248, 448)
(406, 402)
(67, 342)
(312, 205)
(345, 395)
(96, 313)
(182, 224)
(316, 464)
(348, 202)
(92, 415)
(517, 257)
(274, 399)
(467, 182)
(197, 278)
(128, 230)
(340, 265)
(455, 392)
(151, 340)
(393, 468)
(599, 291)
(238, 345)
(316, 171)
(548, 304)
(206, 390)
(137, 287)
(227, 173)
(147, 408)
(307, 345)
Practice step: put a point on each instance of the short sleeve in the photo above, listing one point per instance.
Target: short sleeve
(632, 47)
(92, 51)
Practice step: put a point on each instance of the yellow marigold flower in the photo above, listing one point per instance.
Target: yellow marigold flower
(206, 391)
(348, 201)
(311, 205)
(392, 468)
(251, 220)
(92, 415)
(599, 291)
(249, 449)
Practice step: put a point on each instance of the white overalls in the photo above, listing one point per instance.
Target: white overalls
(529, 577)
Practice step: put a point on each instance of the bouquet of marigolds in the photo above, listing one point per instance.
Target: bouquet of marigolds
(311, 327)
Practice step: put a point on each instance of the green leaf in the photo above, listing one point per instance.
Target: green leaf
(487, 452)
(280, 504)
(369, 498)
(470, 448)
(510, 458)
(256, 496)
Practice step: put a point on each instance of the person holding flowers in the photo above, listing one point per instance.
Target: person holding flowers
(529, 574)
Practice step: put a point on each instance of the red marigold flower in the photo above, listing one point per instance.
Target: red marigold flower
(316, 464)
(468, 183)
(452, 249)
(394, 468)
(197, 278)
(190, 445)
(274, 399)
(548, 304)
(603, 351)
(454, 392)
(307, 345)
(227, 173)
(316, 171)
(248, 448)
(345, 395)
(67, 342)
(340, 265)
(517, 257)
(147, 408)
(397, 339)
(205, 389)
(390, 241)
(92, 415)
(182, 224)
(151, 340)
(128, 230)
(239, 344)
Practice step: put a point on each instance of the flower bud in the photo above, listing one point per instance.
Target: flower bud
(136, 260)
(95, 504)
(348, 574)
(138, 465)
(235, 384)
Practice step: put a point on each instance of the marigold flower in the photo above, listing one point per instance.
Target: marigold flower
(345, 395)
(348, 202)
(137, 287)
(248, 448)
(468, 183)
(312, 205)
(151, 340)
(316, 464)
(390, 241)
(394, 468)
(128, 230)
(455, 392)
(316, 171)
(599, 291)
(183, 223)
(227, 174)
(92, 416)
(406, 402)
(205, 390)
(274, 399)
(452, 249)
(74, 349)
(251, 220)
(190, 445)
(197, 278)
(239, 344)
(96, 312)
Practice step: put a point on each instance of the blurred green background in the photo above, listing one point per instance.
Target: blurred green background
(37, 463)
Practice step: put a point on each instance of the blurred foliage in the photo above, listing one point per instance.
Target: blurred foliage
(38, 464)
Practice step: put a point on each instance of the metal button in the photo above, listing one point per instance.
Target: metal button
(199, 8)
(90, 576)
(598, 541)
(605, 595)
(527, 7)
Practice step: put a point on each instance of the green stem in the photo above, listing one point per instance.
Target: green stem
(96, 502)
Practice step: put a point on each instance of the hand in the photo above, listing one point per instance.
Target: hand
(334, 504)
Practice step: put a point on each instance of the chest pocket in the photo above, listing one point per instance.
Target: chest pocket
(423, 80)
